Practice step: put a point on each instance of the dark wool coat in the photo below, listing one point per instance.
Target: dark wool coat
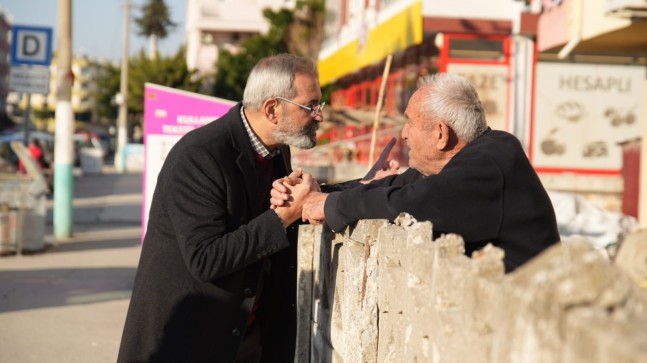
(488, 192)
(208, 237)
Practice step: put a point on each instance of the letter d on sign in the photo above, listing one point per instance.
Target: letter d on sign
(30, 45)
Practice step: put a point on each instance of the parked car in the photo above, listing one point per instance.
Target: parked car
(87, 140)
(46, 143)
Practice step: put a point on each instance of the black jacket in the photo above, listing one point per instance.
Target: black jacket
(208, 236)
(488, 192)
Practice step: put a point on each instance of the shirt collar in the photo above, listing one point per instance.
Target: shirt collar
(256, 143)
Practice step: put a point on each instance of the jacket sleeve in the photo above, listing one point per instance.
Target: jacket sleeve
(466, 197)
(406, 177)
(209, 217)
(329, 188)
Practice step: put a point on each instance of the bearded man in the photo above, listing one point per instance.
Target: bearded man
(216, 280)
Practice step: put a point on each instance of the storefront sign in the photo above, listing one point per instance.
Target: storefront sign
(582, 112)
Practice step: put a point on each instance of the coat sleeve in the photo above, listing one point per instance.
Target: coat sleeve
(207, 208)
(329, 188)
(406, 177)
(466, 198)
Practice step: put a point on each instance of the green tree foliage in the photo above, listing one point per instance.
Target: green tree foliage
(169, 71)
(306, 30)
(298, 32)
(305, 33)
(233, 68)
(108, 86)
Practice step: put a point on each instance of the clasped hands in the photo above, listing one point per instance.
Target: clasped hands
(299, 195)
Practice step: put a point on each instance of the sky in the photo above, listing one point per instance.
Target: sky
(97, 25)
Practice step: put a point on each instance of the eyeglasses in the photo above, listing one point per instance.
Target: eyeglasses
(313, 110)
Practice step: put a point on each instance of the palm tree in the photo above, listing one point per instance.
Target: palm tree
(154, 23)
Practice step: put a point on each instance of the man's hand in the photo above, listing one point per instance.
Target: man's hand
(391, 167)
(313, 208)
(292, 207)
(279, 197)
(279, 193)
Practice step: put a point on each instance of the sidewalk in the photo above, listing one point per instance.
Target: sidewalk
(68, 303)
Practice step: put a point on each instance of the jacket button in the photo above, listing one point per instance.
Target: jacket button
(248, 292)
(235, 332)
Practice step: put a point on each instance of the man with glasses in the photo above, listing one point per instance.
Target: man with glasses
(290, 133)
(216, 281)
(313, 110)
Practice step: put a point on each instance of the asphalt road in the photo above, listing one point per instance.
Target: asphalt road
(67, 303)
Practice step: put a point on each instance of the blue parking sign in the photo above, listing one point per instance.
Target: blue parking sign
(31, 45)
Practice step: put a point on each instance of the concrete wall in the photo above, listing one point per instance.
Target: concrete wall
(386, 292)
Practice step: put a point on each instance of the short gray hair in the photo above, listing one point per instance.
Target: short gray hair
(452, 99)
(274, 77)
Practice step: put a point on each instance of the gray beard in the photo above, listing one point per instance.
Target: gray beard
(297, 138)
(300, 141)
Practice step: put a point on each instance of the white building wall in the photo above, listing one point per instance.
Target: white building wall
(212, 24)
(596, 22)
(358, 21)
(472, 9)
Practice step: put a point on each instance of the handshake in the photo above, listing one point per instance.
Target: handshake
(299, 194)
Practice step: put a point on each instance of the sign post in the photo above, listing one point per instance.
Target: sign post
(31, 54)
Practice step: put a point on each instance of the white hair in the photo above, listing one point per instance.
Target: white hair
(452, 99)
(274, 77)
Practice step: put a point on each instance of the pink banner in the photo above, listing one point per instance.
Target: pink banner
(168, 115)
(168, 111)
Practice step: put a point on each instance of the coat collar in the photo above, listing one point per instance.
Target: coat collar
(246, 159)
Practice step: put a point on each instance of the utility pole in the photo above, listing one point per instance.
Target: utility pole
(642, 179)
(26, 120)
(63, 152)
(122, 135)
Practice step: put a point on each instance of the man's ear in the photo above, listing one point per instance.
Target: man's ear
(443, 135)
(271, 110)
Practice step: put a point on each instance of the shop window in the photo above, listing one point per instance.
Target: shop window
(368, 93)
(486, 49)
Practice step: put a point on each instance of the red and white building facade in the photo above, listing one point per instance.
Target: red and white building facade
(567, 77)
